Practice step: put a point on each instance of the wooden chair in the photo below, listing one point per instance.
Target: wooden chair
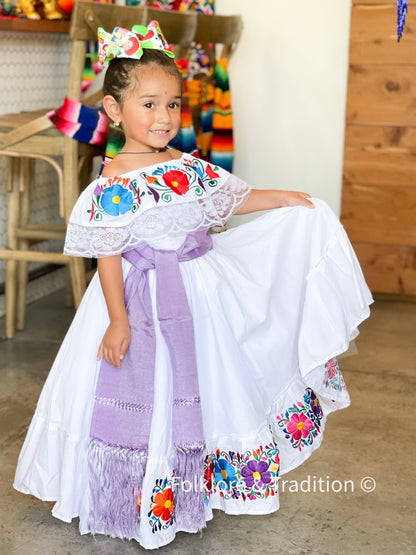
(24, 138)
(218, 34)
(29, 136)
(179, 28)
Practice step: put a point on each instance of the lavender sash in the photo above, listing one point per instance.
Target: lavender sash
(124, 397)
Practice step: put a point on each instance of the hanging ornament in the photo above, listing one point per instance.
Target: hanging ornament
(401, 17)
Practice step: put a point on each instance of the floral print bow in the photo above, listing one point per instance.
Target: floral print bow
(122, 43)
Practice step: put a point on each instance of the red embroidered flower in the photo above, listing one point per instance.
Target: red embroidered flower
(208, 475)
(164, 504)
(331, 368)
(210, 172)
(299, 426)
(178, 181)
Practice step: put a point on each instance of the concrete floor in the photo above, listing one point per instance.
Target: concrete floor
(373, 438)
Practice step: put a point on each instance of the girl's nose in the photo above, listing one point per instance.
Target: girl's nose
(163, 115)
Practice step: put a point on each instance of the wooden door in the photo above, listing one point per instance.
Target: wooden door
(379, 183)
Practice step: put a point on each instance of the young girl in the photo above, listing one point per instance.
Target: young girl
(198, 368)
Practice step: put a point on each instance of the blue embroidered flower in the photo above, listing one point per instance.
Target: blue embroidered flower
(225, 474)
(116, 200)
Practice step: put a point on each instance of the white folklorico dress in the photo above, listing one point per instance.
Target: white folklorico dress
(273, 303)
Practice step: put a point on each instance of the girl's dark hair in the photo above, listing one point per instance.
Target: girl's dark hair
(120, 74)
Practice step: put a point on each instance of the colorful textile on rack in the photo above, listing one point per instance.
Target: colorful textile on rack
(185, 140)
(198, 62)
(91, 67)
(201, 103)
(115, 143)
(222, 146)
(401, 17)
(211, 102)
(167, 4)
(204, 6)
(87, 125)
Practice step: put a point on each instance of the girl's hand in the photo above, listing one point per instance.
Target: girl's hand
(294, 198)
(115, 342)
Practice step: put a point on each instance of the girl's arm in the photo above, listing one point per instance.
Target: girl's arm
(263, 199)
(117, 337)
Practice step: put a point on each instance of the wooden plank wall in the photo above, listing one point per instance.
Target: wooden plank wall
(379, 184)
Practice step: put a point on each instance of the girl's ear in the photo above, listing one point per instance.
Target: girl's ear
(112, 108)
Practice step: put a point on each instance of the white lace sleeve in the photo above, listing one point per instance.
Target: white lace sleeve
(105, 237)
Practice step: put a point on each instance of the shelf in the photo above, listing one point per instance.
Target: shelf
(40, 25)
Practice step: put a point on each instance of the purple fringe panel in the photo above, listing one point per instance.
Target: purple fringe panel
(116, 476)
(189, 500)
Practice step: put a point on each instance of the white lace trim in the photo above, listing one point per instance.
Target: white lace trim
(158, 222)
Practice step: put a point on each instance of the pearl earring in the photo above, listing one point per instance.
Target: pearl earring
(116, 124)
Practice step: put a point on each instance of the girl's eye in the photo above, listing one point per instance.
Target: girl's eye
(174, 105)
(148, 105)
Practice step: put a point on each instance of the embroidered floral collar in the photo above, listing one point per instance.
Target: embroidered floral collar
(151, 186)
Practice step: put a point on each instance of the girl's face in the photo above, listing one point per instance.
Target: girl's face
(151, 111)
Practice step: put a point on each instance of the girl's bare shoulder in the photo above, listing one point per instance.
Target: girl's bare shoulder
(122, 164)
(115, 167)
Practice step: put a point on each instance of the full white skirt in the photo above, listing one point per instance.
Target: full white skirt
(272, 303)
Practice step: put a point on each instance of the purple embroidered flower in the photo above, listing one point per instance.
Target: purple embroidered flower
(315, 405)
(256, 473)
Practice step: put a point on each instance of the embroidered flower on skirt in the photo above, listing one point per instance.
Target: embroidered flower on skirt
(225, 475)
(301, 422)
(333, 377)
(162, 505)
(250, 475)
(139, 503)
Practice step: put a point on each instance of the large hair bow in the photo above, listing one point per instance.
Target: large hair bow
(122, 43)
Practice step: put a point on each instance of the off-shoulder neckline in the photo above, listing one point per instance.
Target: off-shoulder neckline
(143, 168)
